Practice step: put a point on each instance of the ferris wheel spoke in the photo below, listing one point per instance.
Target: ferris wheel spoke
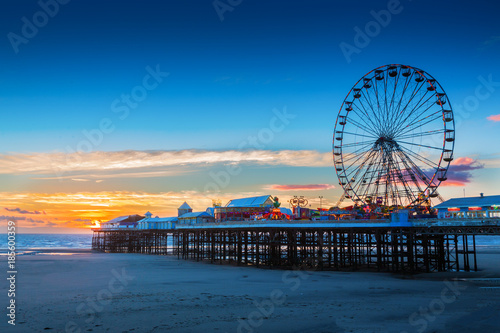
(383, 105)
(392, 106)
(365, 112)
(402, 109)
(416, 89)
(356, 144)
(416, 135)
(407, 187)
(420, 158)
(366, 95)
(412, 176)
(378, 100)
(417, 118)
(386, 110)
(377, 175)
(419, 145)
(355, 158)
(415, 108)
(353, 176)
(418, 171)
(350, 171)
(419, 124)
(369, 174)
(362, 126)
(363, 135)
(397, 191)
(362, 118)
(398, 107)
(355, 154)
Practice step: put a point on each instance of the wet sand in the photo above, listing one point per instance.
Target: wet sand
(80, 291)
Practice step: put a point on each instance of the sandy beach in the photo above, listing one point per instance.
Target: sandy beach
(81, 291)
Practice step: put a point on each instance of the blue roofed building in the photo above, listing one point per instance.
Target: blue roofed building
(122, 222)
(244, 209)
(261, 201)
(150, 222)
(470, 207)
(196, 217)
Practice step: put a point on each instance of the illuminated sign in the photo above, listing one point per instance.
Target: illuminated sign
(454, 209)
(475, 208)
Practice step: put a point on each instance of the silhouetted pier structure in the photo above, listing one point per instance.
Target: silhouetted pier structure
(422, 247)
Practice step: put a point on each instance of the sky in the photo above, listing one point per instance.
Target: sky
(117, 108)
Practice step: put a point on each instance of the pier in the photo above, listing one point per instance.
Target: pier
(424, 246)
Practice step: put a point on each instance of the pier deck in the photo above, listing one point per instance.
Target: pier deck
(426, 245)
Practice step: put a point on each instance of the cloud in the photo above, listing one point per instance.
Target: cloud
(22, 211)
(491, 41)
(128, 175)
(19, 218)
(309, 187)
(459, 172)
(80, 209)
(12, 218)
(34, 221)
(494, 118)
(463, 161)
(141, 162)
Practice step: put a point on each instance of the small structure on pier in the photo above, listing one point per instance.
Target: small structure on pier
(122, 222)
(184, 209)
(196, 217)
(157, 222)
(470, 207)
(185, 215)
(244, 208)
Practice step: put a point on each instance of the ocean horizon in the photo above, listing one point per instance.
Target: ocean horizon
(48, 241)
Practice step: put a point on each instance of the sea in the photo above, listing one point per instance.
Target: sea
(48, 241)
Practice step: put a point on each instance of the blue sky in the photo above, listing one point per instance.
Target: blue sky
(226, 78)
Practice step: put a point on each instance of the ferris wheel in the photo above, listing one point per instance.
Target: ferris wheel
(394, 137)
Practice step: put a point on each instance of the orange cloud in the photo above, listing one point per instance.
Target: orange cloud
(463, 161)
(453, 183)
(86, 209)
(310, 187)
(494, 118)
(459, 172)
